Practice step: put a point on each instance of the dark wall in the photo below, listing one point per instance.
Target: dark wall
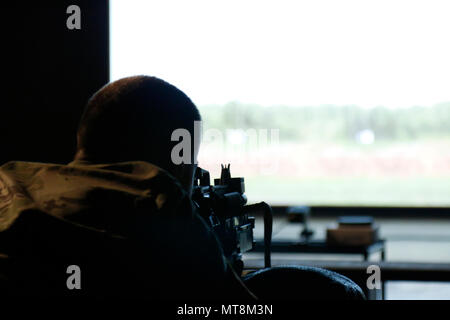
(49, 72)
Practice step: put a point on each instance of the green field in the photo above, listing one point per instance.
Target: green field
(424, 191)
(321, 159)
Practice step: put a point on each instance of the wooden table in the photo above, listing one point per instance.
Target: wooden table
(321, 247)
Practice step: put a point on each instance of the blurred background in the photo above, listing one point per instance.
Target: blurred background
(358, 92)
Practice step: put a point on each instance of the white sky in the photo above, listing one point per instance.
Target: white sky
(393, 53)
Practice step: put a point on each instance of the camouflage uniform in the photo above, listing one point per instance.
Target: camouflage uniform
(131, 222)
(74, 192)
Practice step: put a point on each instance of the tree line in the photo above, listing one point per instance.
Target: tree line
(332, 122)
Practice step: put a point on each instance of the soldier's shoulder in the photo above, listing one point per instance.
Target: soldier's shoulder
(23, 165)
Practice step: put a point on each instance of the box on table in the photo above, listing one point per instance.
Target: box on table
(353, 231)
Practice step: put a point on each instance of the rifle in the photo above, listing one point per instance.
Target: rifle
(224, 207)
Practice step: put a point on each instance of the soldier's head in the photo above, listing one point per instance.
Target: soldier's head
(133, 119)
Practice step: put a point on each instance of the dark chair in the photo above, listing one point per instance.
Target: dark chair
(302, 283)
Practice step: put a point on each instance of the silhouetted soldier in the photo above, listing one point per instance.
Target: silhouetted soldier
(121, 211)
